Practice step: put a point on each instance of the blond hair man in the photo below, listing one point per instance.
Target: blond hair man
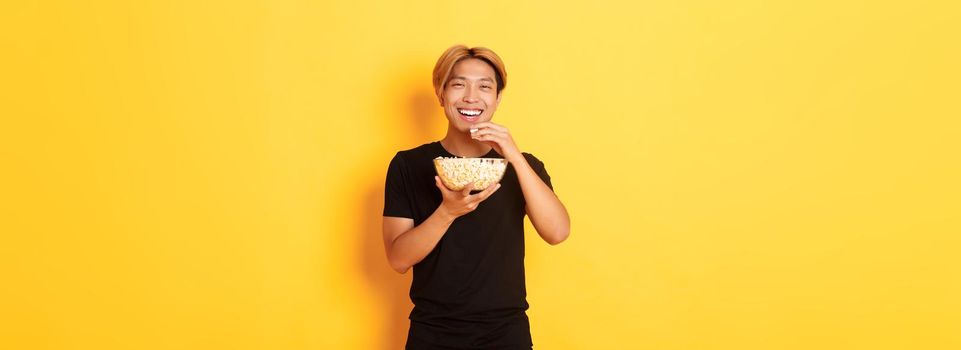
(467, 249)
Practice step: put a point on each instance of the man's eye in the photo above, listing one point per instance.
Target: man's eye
(486, 86)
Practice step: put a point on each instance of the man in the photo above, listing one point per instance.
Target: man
(467, 249)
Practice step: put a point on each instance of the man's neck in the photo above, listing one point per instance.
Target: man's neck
(460, 144)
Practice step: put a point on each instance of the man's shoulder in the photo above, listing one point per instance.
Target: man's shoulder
(422, 149)
(426, 151)
(531, 158)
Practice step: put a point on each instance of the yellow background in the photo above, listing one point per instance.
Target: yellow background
(740, 174)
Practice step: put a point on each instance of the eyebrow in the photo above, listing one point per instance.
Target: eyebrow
(465, 78)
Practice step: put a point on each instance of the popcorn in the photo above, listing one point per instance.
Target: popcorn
(457, 172)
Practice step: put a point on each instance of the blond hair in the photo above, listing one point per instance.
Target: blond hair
(445, 64)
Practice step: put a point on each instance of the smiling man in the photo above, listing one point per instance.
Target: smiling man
(467, 249)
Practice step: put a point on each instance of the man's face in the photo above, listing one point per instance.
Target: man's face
(470, 95)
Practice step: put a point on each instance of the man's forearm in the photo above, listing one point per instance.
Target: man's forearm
(545, 210)
(412, 246)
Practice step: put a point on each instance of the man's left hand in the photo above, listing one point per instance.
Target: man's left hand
(499, 138)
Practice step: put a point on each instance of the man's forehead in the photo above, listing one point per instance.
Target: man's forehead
(474, 69)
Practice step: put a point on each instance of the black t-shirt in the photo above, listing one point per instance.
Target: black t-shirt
(469, 292)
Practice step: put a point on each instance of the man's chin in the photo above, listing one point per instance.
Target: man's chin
(465, 126)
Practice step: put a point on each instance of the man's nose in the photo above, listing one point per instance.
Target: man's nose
(470, 95)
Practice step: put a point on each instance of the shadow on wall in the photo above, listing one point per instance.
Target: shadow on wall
(413, 128)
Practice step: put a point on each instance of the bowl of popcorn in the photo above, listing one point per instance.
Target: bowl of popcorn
(456, 172)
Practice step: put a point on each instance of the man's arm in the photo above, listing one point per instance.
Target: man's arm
(548, 215)
(407, 245)
(546, 211)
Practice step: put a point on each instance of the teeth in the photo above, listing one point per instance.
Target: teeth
(469, 112)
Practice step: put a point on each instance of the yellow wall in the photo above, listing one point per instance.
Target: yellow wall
(740, 174)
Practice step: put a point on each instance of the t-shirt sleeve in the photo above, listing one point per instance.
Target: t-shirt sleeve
(539, 169)
(396, 194)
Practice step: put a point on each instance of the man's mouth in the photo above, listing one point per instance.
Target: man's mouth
(470, 114)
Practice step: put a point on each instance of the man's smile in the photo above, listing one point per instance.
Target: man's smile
(470, 114)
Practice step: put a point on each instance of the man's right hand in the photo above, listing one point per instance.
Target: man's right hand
(458, 203)
(407, 244)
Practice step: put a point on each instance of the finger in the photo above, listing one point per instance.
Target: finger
(467, 189)
(489, 125)
(477, 135)
(490, 137)
(482, 132)
(488, 192)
